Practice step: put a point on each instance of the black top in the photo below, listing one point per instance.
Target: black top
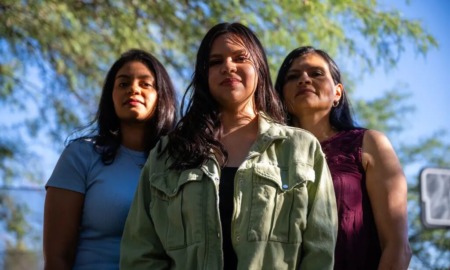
(226, 207)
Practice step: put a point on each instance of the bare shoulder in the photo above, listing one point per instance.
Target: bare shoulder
(376, 148)
(375, 141)
(375, 138)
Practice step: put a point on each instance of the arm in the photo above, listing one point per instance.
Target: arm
(62, 216)
(387, 189)
(140, 246)
(319, 237)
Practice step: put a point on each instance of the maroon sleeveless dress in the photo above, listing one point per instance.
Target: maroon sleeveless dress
(357, 244)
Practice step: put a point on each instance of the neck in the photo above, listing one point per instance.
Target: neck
(238, 135)
(133, 136)
(318, 125)
(232, 121)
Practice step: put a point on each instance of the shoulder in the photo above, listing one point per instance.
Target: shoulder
(83, 141)
(301, 139)
(159, 153)
(299, 144)
(81, 145)
(80, 152)
(160, 145)
(292, 133)
(374, 139)
(376, 148)
(272, 128)
(74, 165)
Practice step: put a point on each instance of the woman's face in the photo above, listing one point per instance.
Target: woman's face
(309, 87)
(232, 77)
(134, 94)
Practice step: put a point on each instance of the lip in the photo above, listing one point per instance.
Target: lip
(132, 102)
(230, 81)
(303, 91)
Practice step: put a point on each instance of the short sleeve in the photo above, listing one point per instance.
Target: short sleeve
(72, 168)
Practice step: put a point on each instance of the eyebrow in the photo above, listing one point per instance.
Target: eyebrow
(237, 52)
(295, 69)
(144, 76)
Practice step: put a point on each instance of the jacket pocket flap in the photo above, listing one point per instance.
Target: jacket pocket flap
(286, 178)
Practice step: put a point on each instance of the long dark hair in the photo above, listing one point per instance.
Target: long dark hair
(198, 130)
(108, 138)
(340, 116)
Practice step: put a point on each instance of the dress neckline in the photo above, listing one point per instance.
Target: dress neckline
(332, 137)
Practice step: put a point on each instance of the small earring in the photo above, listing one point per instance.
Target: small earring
(335, 103)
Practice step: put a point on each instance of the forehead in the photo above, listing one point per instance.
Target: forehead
(134, 69)
(227, 43)
(309, 60)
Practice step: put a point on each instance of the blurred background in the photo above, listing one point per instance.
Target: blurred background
(54, 56)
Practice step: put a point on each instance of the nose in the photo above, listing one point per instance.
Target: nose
(228, 66)
(134, 88)
(304, 78)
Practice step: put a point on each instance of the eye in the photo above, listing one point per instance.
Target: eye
(146, 85)
(316, 73)
(292, 76)
(213, 62)
(123, 84)
(242, 58)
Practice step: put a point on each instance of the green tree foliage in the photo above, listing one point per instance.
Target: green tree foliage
(55, 54)
(21, 240)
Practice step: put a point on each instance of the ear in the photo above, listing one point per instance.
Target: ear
(338, 91)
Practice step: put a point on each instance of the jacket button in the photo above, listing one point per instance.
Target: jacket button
(218, 235)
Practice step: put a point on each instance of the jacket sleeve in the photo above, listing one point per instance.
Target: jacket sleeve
(319, 237)
(141, 247)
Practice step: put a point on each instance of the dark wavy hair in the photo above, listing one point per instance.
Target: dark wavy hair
(108, 137)
(340, 116)
(198, 131)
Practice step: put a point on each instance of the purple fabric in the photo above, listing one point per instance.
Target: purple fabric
(357, 244)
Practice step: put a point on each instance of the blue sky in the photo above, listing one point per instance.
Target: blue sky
(426, 78)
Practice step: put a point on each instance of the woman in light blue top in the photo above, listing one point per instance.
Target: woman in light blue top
(90, 190)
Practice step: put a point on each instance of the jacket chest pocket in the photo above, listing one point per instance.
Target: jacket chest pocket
(279, 203)
(176, 208)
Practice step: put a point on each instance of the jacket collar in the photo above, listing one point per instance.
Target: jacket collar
(268, 131)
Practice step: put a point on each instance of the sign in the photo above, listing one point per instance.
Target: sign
(435, 197)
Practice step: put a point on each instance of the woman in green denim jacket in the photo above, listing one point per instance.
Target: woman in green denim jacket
(230, 147)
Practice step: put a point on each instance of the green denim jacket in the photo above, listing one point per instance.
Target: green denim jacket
(284, 218)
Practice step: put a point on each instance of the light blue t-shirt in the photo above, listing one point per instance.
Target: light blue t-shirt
(108, 191)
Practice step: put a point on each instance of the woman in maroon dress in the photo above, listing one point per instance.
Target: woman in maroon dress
(370, 186)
